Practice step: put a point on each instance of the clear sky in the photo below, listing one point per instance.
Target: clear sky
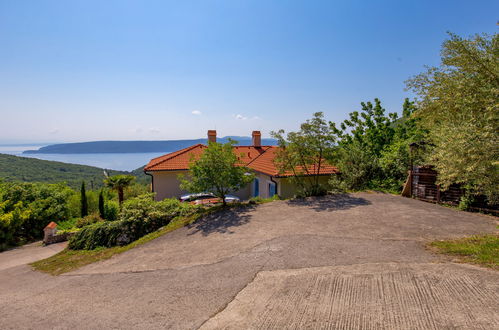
(139, 70)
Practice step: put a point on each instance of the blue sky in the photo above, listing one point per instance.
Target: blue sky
(147, 70)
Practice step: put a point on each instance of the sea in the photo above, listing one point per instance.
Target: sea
(111, 161)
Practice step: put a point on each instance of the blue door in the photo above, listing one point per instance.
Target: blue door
(256, 189)
(272, 190)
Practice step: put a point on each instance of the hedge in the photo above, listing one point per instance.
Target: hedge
(138, 217)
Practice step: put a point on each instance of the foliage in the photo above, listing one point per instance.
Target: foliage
(136, 189)
(15, 169)
(373, 148)
(111, 210)
(480, 249)
(303, 153)
(88, 220)
(138, 217)
(69, 260)
(459, 102)
(119, 183)
(101, 205)
(67, 225)
(217, 170)
(83, 201)
(359, 169)
(26, 208)
(260, 200)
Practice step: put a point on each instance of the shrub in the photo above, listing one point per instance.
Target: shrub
(261, 200)
(111, 210)
(88, 220)
(138, 217)
(26, 208)
(69, 224)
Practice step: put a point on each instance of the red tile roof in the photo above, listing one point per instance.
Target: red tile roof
(260, 159)
(178, 160)
(51, 225)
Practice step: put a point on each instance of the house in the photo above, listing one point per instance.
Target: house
(164, 170)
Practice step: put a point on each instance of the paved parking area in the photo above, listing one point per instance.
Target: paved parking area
(305, 253)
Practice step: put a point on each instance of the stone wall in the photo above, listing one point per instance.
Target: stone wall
(51, 239)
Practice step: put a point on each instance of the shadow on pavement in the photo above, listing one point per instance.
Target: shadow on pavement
(330, 202)
(222, 221)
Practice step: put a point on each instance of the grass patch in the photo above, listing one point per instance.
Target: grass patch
(479, 249)
(69, 260)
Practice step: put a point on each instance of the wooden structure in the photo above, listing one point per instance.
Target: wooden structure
(423, 186)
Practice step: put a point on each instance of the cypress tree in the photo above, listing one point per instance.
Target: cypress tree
(84, 202)
(101, 205)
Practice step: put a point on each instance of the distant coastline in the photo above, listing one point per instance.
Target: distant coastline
(107, 147)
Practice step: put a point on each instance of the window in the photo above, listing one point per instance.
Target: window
(256, 188)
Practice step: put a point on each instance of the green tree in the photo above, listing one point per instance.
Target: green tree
(83, 200)
(303, 153)
(373, 147)
(101, 205)
(119, 183)
(26, 208)
(217, 171)
(458, 104)
(396, 158)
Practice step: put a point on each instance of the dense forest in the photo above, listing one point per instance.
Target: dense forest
(13, 168)
(135, 146)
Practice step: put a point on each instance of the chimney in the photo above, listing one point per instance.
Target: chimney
(212, 136)
(256, 139)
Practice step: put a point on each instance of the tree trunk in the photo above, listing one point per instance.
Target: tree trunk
(120, 195)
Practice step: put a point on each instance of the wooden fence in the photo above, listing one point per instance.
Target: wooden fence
(421, 184)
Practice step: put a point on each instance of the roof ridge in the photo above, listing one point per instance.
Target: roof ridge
(176, 153)
(260, 155)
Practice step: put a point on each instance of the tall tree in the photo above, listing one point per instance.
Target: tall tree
(119, 183)
(459, 105)
(217, 171)
(303, 153)
(373, 147)
(101, 205)
(83, 200)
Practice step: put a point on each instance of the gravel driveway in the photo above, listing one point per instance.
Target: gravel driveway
(350, 261)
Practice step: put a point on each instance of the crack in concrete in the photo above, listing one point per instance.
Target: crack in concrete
(250, 250)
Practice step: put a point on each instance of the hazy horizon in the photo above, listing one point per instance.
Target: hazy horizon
(77, 71)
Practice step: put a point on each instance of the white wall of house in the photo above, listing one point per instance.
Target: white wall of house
(244, 193)
(287, 188)
(265, 186)
(166, 184)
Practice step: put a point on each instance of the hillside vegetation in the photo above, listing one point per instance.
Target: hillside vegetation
(14, 168)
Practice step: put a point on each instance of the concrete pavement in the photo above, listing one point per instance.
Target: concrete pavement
(29, 253)
(198, 276)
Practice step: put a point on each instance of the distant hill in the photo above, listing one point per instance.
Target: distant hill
(134, 146)
(14, 168)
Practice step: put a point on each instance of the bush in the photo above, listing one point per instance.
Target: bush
(261, 200)
(88, 220)
(111, 210)
(69, 224)
(138, 217)
(26, 208)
